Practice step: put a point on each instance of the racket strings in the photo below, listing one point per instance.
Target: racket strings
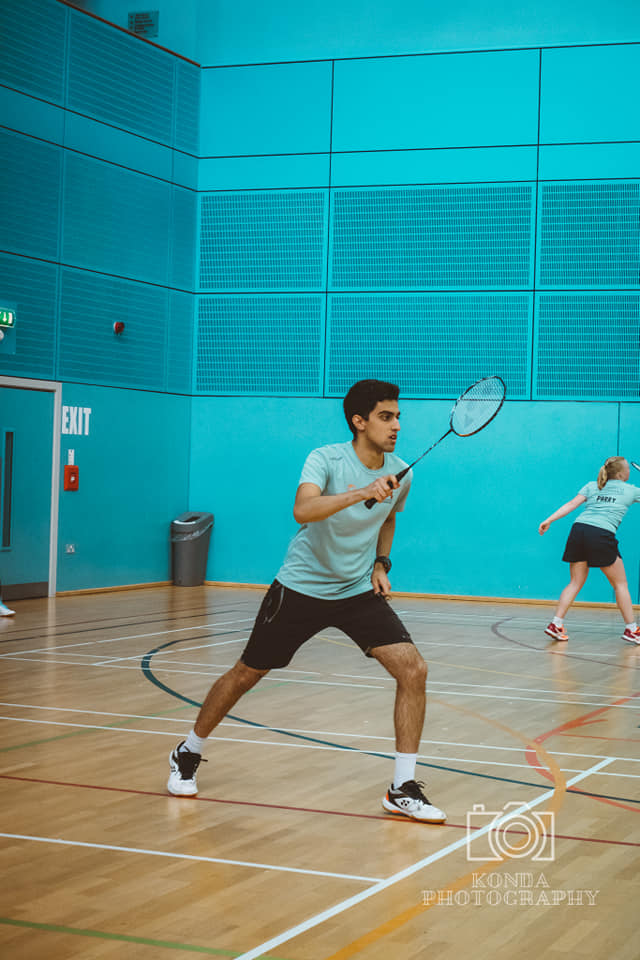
(477, 406)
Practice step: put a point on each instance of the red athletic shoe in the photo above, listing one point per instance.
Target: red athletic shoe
(556, 632)
(633, 636)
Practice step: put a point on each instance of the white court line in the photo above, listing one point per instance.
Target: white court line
(204, 673)
(139, 636)
(314, 746)
(186, 856)
(443, 617)
(319, 918)
(158, 668)
(490, 686)
(536, 650)
(314, 733)
(188, 663)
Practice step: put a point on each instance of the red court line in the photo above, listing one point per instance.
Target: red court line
(592, 736)
(581, 721)
(277, 806)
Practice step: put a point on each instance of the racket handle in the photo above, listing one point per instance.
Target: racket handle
(370, 502)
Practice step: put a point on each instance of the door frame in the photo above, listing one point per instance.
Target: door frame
(54, 387)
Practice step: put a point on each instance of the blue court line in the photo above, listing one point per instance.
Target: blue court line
(148, 673)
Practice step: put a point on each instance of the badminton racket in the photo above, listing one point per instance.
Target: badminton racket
(634, 464)
(473, 410)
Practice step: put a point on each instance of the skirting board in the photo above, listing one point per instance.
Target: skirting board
(436, 596)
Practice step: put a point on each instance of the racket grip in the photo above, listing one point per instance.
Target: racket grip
(370, 502)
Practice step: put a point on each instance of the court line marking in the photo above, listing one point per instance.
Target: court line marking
(443, 617)
(381, 685)
(188, 856)
(400, 821)
(189, 663)
(120, 937)
(492, 686)
(308, 746)
(199, 673)
(319, 733)
(138, 636)
(319, 918)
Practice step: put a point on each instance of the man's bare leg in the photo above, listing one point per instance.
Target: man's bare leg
(222, 696)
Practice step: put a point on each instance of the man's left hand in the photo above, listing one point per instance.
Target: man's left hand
(380, 582)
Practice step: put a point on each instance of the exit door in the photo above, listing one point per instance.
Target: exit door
(26, 461)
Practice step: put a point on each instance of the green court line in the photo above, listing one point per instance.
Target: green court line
(83, 733)
(122, 937)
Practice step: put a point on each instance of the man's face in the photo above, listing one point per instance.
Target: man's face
(382, 427)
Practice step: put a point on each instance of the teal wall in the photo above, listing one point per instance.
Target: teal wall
(98, 153)
(335, 194)
(241, 31)
(470, 526)
(134, 479)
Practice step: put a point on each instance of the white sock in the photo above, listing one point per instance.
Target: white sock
(558, 621)
(194, 743)
(631, 626)
(405, 768)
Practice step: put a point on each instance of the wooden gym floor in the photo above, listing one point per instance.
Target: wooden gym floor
(286, 852)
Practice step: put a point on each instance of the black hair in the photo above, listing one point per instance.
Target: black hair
(363, 397)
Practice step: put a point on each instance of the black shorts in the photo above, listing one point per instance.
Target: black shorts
(595, 545)
(288, 619)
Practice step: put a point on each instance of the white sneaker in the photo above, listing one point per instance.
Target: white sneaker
(182, 779)
(633, 636)
(4, 610)
(409, 801)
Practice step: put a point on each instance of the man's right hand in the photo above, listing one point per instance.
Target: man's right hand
(381, 488)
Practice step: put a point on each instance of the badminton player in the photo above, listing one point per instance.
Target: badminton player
(592, 542)
(335, 574)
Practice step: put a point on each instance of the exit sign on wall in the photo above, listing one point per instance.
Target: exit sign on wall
(7, 317)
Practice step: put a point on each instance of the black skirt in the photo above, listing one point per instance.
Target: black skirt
(599, 547)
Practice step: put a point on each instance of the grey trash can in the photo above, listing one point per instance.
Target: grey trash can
(190, 535)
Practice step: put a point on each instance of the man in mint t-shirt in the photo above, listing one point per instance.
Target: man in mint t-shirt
(335, 573)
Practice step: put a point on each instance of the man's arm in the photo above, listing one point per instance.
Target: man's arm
(312, 505)
(379, 579)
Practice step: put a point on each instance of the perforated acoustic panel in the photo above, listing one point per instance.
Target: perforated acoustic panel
(187, 107)
(116, 221)
(432, 237)
(32, 57)
(89, 350)
(260, 345)
(120, 80)
(30, 196)
(32, 285)
(183, 238)
(587, 346)
(180, 342)
(263, 241)
(431, 345)
(589, 234)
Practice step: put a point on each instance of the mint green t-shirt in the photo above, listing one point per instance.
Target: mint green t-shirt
(333, 558)
(605, 508)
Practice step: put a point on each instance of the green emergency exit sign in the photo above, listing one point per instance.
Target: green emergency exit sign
(7, 317)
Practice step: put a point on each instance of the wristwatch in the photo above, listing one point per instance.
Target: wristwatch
(386, 563)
